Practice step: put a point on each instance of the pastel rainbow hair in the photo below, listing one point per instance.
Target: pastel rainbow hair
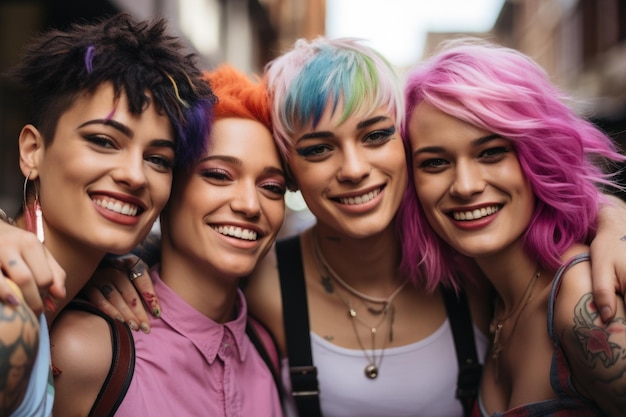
(321, 71)
(505, 92)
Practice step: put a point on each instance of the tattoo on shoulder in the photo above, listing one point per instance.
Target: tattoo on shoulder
(603, 344)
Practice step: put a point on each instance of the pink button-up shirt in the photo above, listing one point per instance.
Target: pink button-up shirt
(190, 365)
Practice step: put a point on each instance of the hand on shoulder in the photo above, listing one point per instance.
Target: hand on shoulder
(594, 348)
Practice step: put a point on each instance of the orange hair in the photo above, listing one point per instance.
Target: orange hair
(238, 96)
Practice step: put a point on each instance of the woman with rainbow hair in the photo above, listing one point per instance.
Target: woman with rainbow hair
(507, 177)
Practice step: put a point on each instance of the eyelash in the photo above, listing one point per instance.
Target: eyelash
(216, 173)
(162, 163)
(222, 175)
(490, 155)
(276, 188)
(101, 141)
(495, 152)
(375, 138)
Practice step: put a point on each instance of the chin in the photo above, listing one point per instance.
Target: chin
(237, 267)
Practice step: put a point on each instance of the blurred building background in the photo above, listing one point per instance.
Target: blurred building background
(581, 43)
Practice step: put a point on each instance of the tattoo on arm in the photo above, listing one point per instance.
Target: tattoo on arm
(19, 343)
(600, 343)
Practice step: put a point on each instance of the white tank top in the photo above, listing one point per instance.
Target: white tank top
(414, 380)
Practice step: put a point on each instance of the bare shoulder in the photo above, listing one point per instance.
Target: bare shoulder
(594, 349)
(82, 351)
(263, 295)
(19, 344)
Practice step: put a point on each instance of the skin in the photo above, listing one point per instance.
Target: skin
(459, 168)
(332, 162)
(126, 159)
(239, 183)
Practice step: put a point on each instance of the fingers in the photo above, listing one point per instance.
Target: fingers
(26, 262)
(131, 299)
(143, 285)
(57, 288)
(608, 263)
(97, 298)
(104, 292)
(604, 290)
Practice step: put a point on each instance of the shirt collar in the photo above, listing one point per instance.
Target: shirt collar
(209, 337)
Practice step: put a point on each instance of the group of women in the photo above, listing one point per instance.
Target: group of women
(484, 173)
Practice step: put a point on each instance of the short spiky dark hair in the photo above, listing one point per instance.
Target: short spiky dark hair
(136, 57)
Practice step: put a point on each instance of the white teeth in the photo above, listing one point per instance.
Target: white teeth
(238, 232)
(117, 206)
(475, 214)
(360, 199)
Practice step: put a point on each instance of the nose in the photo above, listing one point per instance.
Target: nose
(467, 181)
(246, 200)
(355, 166)
(131, 170)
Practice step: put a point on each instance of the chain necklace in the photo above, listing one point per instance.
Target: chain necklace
(496, 325)
(386, 311)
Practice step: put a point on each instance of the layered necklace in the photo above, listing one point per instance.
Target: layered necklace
(496, 325)
(382, 308)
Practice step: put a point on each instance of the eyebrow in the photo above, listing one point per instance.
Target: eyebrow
(439, 149)
(125, 130)
(361, 125)
(236, 161)
(108, 122)
(369, 122)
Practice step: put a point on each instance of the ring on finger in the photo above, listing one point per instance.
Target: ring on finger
(135, 272)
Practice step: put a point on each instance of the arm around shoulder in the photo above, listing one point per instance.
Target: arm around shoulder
(594, 349)
(82, 352)
(19, 347)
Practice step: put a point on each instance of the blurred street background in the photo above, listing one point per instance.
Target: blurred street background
(580, 43)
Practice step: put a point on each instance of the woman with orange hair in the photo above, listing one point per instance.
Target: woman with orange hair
(223, 216)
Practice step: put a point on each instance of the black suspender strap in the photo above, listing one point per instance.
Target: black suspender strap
(462, 327)
(258, 343)
(303, 374)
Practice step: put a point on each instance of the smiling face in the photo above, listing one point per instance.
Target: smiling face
(351, 174)
(225, 213)
(106, 174)
(469, 183)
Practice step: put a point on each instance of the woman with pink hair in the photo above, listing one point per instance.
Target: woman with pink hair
(507, 178)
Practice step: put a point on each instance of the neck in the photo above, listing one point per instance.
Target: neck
(199, 285)
(509, 271)
(369, 265)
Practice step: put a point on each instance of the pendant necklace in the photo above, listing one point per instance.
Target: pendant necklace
(383, 308)
(496, 325)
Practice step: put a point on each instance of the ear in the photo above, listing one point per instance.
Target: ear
(31, 151)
